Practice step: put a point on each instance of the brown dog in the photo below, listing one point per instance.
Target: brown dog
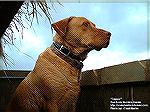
(53, 85)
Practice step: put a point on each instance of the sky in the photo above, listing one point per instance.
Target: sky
(128, 23)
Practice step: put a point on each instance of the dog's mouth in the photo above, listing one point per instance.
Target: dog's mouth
(105, 45)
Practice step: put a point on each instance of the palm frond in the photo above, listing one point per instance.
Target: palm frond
(30, 10)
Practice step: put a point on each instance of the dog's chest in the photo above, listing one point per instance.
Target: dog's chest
(59, 87)
(64, 94)
(59, 82)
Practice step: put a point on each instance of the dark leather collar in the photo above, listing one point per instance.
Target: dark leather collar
(67, 55)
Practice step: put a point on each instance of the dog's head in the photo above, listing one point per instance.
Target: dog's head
(82, 33)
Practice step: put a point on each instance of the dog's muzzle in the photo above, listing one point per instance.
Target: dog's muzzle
(108, 40)
(105, 43)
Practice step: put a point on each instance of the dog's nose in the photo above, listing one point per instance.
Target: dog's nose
(108, 34)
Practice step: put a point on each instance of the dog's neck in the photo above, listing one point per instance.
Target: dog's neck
(77, 50)
(66, 55)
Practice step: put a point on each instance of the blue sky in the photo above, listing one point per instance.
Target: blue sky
(128, 23)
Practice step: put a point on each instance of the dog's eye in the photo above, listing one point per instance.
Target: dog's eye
(86, 24)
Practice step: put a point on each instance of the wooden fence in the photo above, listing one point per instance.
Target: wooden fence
(102, 90)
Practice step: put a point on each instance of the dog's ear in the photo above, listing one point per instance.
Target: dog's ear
(61, 26)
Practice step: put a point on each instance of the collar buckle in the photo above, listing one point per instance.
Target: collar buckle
(64, 50)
